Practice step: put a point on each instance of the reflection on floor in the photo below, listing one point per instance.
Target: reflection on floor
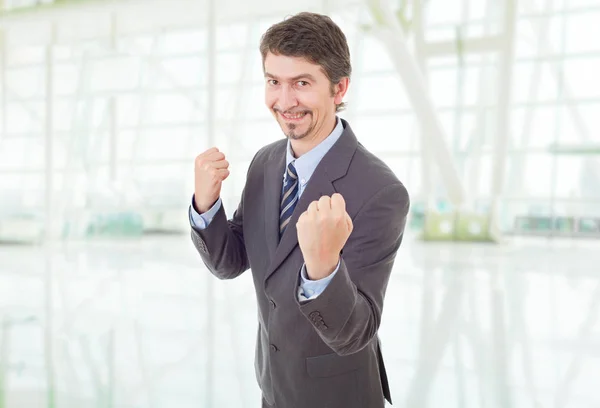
(464, 326)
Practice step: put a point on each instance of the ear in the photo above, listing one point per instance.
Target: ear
(340, 89)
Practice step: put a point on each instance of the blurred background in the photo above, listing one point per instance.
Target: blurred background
(486, 110)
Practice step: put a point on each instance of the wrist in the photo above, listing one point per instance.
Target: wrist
(320, 270)
(201, 207)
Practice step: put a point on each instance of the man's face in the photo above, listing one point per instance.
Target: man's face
(299, 95)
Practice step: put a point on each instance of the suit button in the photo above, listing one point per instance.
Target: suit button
(272, 304)
(273, 348)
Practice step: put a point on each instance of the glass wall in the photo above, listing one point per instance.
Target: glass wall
(102, 113)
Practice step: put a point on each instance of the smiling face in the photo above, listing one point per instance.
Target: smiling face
(301, 97)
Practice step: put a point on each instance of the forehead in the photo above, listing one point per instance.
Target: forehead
(285, 67)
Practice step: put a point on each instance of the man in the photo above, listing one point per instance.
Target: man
(319, 223)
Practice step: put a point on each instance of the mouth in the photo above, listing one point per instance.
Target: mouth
(292, 117)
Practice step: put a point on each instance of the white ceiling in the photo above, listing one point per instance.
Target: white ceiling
(92, 18)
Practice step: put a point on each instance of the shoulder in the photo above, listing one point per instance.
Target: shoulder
(265, 154)
(373, 174)
(371, 182)
(269, 152)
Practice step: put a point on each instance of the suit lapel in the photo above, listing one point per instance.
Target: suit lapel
(333, 166)
(273, 179)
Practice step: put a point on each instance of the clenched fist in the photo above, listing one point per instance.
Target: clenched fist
(210, 170)
(323, 230)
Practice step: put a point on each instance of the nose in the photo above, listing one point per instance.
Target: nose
(287, 99)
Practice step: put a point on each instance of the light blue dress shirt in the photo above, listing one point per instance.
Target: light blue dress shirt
(305, 167)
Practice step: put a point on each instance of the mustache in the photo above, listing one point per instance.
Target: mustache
(288, 112)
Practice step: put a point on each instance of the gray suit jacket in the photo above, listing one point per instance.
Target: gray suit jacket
(324, 352)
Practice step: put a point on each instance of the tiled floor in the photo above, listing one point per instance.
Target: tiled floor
(464, 325)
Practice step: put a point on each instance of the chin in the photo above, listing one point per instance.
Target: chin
(294, 136)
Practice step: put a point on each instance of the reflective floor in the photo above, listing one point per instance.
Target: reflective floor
(124, 324)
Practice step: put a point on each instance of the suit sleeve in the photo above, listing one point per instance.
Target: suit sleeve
(221, 244)
(347, 314)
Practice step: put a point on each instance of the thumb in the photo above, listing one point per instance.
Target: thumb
(349, 223)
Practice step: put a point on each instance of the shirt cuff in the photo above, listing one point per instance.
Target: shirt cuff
(202, 221)
(310, 289)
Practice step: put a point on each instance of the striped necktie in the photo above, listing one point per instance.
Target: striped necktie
(289, 198)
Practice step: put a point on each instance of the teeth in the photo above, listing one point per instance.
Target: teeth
(297, 116)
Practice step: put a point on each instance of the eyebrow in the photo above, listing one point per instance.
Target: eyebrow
(297, 77)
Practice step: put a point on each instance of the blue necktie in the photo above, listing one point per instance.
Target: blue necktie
(289, 198)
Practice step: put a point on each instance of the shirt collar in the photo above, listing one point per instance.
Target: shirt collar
(307, 163)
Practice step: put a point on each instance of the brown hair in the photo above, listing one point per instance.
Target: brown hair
(312, 36)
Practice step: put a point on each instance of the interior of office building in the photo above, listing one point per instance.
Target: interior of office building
(486, 111)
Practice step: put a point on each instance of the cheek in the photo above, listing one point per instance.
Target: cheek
(268, 101)
(270, 98)
(308, 101)
(319, 100)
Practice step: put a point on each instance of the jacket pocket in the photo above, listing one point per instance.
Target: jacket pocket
(330, 365)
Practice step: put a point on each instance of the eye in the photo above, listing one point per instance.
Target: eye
(302, 83)
(272, 81)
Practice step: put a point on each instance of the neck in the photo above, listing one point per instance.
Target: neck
(306, 144)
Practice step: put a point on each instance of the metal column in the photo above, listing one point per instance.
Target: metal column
(210, 130)
(48, 224)
(504, 114)
(388, 30)
(3, 55)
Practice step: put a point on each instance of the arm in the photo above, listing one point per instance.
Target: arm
(201, 221)
(347, 314)
(221, 242)
(310, 289)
